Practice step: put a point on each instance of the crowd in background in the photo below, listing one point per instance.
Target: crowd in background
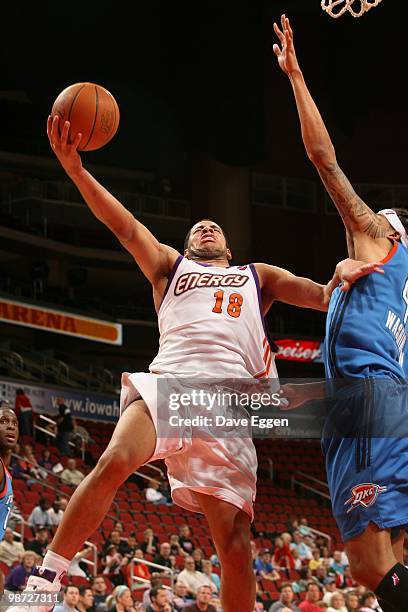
(297, 573)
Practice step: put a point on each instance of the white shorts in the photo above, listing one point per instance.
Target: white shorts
(221, 466)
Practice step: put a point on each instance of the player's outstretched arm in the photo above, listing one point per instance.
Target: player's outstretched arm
(154, 258)
(356, 215)
(283, 286)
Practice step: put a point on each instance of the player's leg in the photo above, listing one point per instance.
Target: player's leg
(230, 530)
(132, 444)
(375, 562)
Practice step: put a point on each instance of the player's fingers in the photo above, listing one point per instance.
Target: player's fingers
(54, 131)
(64, 134)
(346, 286)
(277, 50)
(289, 27)
(278, 33)
(77, 140)
(49, 127)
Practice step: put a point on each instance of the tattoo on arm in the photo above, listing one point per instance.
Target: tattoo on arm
(354, 212)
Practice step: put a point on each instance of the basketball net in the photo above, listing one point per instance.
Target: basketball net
(337, 8)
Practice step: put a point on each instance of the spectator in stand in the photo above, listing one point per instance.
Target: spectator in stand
(297, 562)
(150, 544)
(192, 578)
(115, 539)
(304, 527)
(19, 468)
(264, 567)
(337, 603)
(33, 466)
(303, 549)
(292, 524)
(153, 494)
(198, 557)
(181, 597)
(159, 599)
(70, 599)
(337, 567)
(120, 600)
(45, 460)
(65, 427)
(24, 413)
(99, 590)
(316, 561)
(305, 576)
(155, 581)
(130, 546)
(57, 510)
(40, 543)
(212, 576)
(320, 577)
(186, 542)
(312, 598)
(282, 555)
(10, 550)
(326, 557)
(163, 558)
(352, 601)
(286, 598)
(71, 476)
(175, 546)
(369, 602)
(202, 602)
(346, 580)
(86, 599)
(39, 516)
(139, 569)
(17, 578)
(75, 568)
(113, 563)
(329, 588)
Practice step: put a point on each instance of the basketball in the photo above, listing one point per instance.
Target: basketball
(91, 110)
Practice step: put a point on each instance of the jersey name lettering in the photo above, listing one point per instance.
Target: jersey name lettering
(191, 280)
(397, 328)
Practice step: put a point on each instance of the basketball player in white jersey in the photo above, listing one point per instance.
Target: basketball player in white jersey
(211, 325)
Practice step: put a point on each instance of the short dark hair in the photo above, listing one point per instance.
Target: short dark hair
(403, 216)
(83, 588)
(187, 238)
(67, 586)
(286, 585)
(155, 591)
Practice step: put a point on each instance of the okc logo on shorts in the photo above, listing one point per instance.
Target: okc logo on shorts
(364, 495)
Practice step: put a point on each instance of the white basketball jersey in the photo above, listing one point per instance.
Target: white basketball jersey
(211, 324)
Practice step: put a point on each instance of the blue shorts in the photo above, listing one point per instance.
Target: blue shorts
(365, 443)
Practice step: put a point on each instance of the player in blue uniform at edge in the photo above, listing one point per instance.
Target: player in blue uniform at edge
(366, 348)
(8, 440)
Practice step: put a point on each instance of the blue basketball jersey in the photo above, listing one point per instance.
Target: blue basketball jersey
(6, 501)
(366, 327)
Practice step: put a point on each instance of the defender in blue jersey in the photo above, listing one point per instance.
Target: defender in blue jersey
(8, 440)
(366, 359)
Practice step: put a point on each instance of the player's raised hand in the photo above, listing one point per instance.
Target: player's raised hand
(66, 152)
(285, 52)
(349, 271)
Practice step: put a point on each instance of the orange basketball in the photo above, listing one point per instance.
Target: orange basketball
(91, 110)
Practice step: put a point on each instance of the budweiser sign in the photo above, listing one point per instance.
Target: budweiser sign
(299, 350)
